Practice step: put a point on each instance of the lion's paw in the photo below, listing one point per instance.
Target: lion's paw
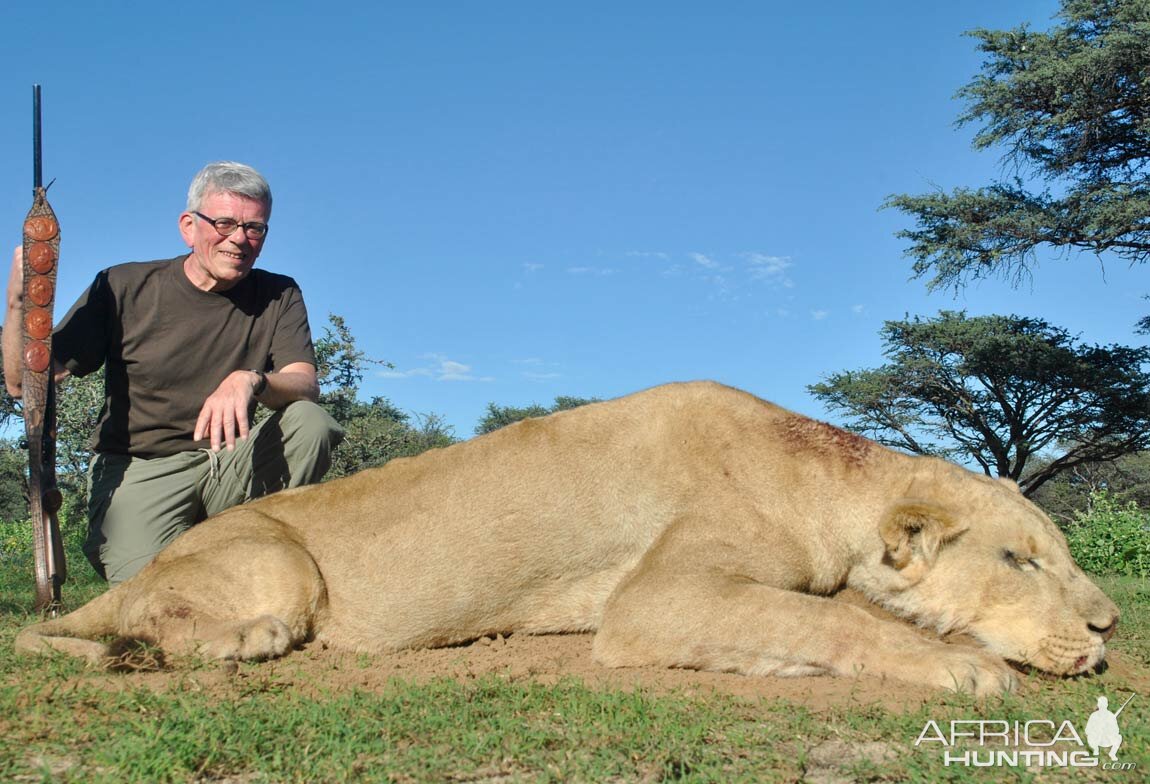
(975, 672)
(266, 637)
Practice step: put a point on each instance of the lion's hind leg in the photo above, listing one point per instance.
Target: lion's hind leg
(254, 593)
(78, 633)
(255, 639)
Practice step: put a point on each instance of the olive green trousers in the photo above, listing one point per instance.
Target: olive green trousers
(138, 506)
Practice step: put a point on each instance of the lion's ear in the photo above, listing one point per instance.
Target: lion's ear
(913, 531)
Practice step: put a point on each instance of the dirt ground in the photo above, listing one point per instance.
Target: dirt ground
(550, 658)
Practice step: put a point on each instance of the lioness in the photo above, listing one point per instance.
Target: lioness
(690, 525)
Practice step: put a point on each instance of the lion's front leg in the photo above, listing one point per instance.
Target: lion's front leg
(732, 624)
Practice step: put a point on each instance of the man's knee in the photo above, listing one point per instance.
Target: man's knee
(308, 423)
(310, 435)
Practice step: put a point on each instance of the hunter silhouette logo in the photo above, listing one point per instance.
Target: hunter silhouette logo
(985, 743)
(1102, 728)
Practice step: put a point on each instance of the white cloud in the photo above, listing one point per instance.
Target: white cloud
(536, 369)
(858, 310)
(704, 261)
(772, 269)
(440, 369)
(725, 275)
(403, 373)
(596, 271)
(450, 370)
(819, 315)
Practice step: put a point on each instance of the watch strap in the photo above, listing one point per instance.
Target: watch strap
(262, 384)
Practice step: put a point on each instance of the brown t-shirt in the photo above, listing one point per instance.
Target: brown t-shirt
(165, 346)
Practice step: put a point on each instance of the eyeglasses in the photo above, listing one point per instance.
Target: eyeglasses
(253, 230)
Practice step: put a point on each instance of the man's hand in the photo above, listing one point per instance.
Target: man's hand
(225, 412)
(13, 326)
(224, 416)
(16, 278)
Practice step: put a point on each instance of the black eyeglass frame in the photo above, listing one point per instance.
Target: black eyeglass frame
(253, 230)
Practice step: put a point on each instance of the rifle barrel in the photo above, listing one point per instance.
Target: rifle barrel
(37, 174)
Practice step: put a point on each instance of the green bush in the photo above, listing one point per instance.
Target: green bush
(15, 540)
(16, 543)
(1111, 538)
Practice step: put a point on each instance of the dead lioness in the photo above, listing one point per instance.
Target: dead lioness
(691, 525)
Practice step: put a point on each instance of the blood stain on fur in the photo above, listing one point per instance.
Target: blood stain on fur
(827, 439)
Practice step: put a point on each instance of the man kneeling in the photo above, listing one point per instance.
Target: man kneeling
(189, 345)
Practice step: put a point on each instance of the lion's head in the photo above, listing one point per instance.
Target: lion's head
(981, 559)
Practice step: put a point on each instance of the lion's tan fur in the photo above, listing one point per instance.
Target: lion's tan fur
(691, 525)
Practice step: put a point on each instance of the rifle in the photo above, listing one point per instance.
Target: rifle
(41, 253)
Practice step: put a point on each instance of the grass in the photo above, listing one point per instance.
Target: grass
(61, 722)
(1132, 595)
(434, 732)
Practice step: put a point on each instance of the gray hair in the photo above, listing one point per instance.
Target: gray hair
(229, 177)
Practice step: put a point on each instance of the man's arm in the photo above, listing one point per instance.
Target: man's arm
(13, 340)
(296, 381)
(224, 415)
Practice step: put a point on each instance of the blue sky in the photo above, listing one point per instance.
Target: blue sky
(511, 201)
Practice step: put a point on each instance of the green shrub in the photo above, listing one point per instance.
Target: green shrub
(15, 540)
(1111, 538)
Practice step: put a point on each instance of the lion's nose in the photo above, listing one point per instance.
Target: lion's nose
(1106, 631)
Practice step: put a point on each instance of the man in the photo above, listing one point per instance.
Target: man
(189, 346)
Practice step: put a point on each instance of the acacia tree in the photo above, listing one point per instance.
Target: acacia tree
(1007, 392)
(1071, 106)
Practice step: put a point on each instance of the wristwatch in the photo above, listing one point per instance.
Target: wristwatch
(262, 384)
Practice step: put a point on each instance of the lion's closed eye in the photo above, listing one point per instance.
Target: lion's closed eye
(1022, 562)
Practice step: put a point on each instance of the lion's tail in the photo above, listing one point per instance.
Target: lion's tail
(78, 632)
